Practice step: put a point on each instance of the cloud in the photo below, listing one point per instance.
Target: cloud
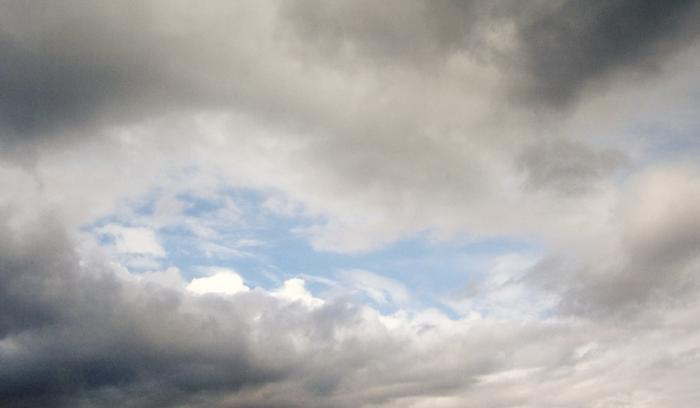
(222, 281)
(76, 70)
(379, 288)
(71, 73)
(566, 167)
(651, 262)
(561, 124)
(570, 44)
(133, 240)
(189, 89)
(76, 332)
(551, 51)
(294, 289)
(502, 291)
(133, 343)
(413, 32)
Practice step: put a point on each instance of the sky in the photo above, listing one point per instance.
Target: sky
(305, 203)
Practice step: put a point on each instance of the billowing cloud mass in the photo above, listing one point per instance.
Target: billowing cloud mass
(349, 203)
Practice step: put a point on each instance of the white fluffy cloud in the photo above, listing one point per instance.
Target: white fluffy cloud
(295, 290)
(222, 281)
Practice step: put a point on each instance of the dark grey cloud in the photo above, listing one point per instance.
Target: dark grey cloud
(71, 335)
(417, 33)
(78, 68)
(74, 70)
(74, 333)
(549, 51)
(81, 64)
(576, 43)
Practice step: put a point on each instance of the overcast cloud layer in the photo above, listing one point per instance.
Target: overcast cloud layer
(568, 127)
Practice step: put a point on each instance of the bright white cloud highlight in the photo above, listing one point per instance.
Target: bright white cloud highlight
(295, 290)
(223, 281)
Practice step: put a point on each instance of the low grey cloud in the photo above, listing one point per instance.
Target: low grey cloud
(91, 65)
(66, 65)
(574, 44)
(652, 263)
(369, 133)
(416, 33)
(69, 334)
(76, 332)
(550, 50)
(76, 69)
(566, 167)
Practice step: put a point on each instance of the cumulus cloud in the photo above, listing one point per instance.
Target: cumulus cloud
(221, 281)
(295, 290)
(124, 342)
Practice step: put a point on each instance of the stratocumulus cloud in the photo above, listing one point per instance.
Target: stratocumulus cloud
(349, 203)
